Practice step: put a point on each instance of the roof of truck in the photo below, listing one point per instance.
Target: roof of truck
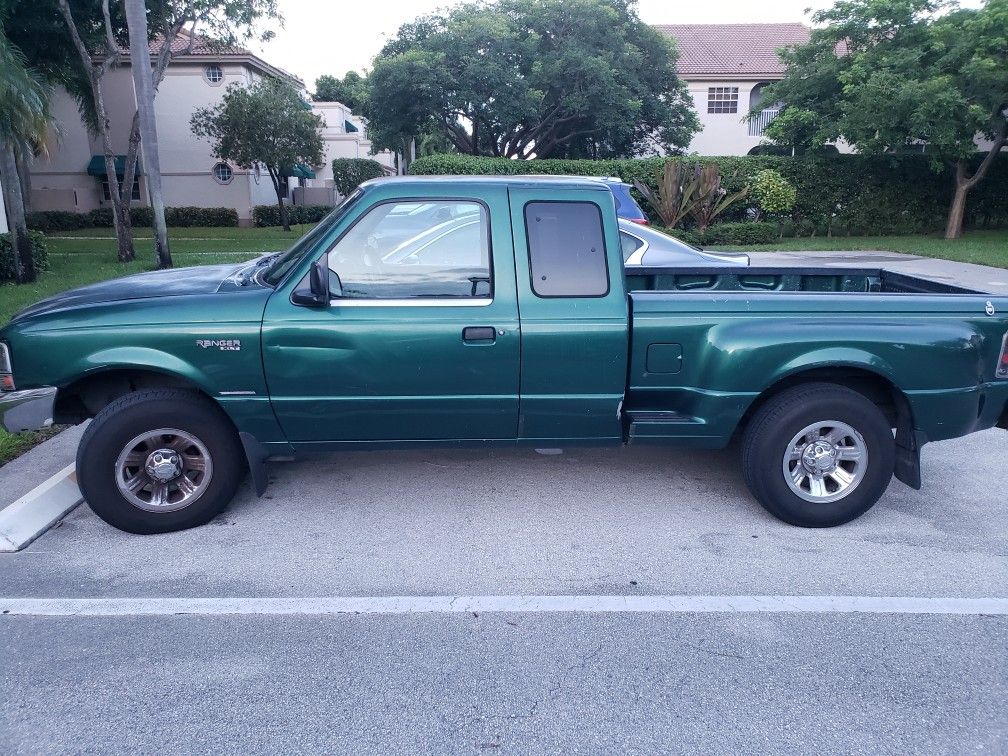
(583, 182)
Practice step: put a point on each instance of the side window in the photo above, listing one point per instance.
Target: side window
(630, 244)
(405, 250)
(566, 248)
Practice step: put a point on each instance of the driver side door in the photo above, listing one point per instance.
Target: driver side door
(420, 341)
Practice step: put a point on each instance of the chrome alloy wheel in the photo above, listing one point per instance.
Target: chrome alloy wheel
(163, 470)
(825, 461)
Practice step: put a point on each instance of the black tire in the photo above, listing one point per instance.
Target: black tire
(773, 426)
(141, 411)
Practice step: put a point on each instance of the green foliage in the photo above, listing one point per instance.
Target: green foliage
(267, 122)
(200, 216)
(40, 254)
(63, 220)
(269, 215)
(673, 199)
(351, 90)
(56, 220)
(711, 199)
(684, 234)
(514, 78)
(740, 234)
(349, 173)
(772, 193)
(861, 194)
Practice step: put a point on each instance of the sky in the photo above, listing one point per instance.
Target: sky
(325, 36)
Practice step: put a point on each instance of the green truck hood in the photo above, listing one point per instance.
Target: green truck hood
(206, 279)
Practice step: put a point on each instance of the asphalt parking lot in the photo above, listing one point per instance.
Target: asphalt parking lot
(633, 522)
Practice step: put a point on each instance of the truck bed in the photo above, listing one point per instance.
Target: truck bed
(786, 279)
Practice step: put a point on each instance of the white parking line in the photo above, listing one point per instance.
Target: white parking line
(120, 607)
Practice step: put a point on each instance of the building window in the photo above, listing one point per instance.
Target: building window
(214, 73)
(223, 173)
(722, 100)
(134, 195)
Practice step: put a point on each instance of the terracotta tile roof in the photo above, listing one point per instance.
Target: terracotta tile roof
(725, 49)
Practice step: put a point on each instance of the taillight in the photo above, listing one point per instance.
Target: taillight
(641, 221)
(6, 372)
(1002, 366)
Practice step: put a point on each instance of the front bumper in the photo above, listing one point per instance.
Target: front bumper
(27, 410)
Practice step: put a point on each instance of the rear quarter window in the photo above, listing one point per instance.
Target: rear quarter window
(566, 248)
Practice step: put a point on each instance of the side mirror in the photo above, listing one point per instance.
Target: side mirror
(318, 292)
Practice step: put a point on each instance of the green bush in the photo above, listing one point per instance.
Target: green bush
(772, 193)
(40, 254)
(100, 217)
(741, 233)
(56, 220)
(690, 237)
(862, 194)
(349, 173)
(183, 217)
(269, 215)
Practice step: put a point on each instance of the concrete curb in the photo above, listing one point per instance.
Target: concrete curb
(38, 510)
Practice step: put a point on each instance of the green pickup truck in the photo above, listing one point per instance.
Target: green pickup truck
(493, 311)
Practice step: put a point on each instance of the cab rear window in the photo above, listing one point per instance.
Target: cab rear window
(566, 248)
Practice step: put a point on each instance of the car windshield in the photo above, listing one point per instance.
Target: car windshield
(282, 265)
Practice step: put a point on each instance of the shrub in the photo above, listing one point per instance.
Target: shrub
(773, 193)
(269, 215)
(690, 237)
(100, 217)
(40, 254)
(183, 217)
(56, 220)
(741, 233)
(865, 194)
(349, 173)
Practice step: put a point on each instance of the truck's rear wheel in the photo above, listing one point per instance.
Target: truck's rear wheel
(818, 455)
(160, 460)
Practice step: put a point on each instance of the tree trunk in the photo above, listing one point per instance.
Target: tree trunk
(24, 173)
(275, 178)
(24, 265)
(954, 224)
(143, 81)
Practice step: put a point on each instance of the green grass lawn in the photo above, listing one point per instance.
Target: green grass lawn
(88, 255)
(980, 247)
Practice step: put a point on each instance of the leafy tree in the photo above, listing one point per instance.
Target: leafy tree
(523, 78)
(267, 123)
(24, 122)
(887, 75)
(351, 90)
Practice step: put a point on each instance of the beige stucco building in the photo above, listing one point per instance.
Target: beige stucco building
(72, 176)
(726, 67)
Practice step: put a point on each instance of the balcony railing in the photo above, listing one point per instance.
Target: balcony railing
(758, 124)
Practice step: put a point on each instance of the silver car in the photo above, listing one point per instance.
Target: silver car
(645, 247)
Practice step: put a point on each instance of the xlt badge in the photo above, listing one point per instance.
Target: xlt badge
(225, 345)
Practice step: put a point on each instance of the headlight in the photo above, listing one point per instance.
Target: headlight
(6, 371)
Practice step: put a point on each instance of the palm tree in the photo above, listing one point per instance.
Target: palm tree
(24, 123)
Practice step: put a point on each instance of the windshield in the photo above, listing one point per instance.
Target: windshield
(282, 265)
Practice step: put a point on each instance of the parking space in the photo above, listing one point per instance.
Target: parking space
(587, 522)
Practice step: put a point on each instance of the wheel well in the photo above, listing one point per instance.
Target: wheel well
(877, 389)
(87, 396)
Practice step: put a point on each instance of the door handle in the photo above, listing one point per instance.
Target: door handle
(479, 333)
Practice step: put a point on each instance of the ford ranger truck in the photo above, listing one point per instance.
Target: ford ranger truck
(496, 311)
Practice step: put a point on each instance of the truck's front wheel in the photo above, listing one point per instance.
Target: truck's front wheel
(160, 460)
(818, 455)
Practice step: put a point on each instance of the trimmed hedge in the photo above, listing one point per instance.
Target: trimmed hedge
(101, 217)
(269, 215)
(741, 233)
(852, 194)
(40, 254)
(56, 220)
(349, 173)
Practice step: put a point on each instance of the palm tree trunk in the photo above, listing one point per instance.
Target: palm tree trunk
(24, 264)
(143, 81)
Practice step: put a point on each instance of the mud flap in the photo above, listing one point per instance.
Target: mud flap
(256, 455)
